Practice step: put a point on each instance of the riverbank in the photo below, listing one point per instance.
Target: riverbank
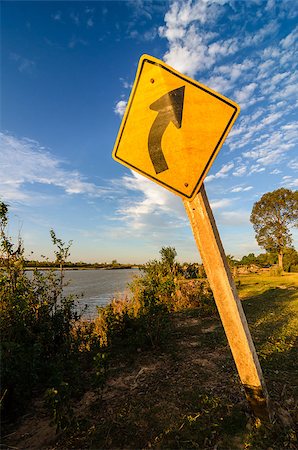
(45, 268)
(185, 393)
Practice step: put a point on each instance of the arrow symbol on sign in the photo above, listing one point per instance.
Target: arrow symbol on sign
(170, 108)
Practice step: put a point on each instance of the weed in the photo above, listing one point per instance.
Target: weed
(58, 401)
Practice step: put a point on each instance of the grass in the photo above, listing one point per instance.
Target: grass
(186, 394)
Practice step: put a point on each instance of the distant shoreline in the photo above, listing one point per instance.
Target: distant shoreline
(30, 269)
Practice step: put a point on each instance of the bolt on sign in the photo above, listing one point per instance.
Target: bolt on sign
(173, 127)
(171, 132)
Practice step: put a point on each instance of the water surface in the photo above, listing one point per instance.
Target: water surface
(98, 287)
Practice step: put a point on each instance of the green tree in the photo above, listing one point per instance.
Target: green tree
(290, 260)
(249, 259)
(272, 216)
(168, 255)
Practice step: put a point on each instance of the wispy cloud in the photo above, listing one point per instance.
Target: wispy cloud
(90, 22)
(293, 164)
(148, 206)
(75, 18)
(222, 203)
(75, 41)
(24, 65)
(126, 84)
(25, 164)
(241, 189)
(289, 182)
(57, 16)
(222, 173)
(150, 209)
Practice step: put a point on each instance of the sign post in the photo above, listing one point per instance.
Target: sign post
(171, 132)
(228, 303)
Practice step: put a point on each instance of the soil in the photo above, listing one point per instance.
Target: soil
(151, 397)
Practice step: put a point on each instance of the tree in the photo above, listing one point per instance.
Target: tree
(290, 260)
(249, 259)
(272, 216)
(168, 255)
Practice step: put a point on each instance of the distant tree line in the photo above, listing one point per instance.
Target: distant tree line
(266, 260)
(31, 263)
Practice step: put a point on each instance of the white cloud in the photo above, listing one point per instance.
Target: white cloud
(241, 189)
(290, 183)
(120, 108)
(293, 164)
(290, 39)
(233, 218)
(125, 84)
(222, 173)
(256, 168)
(190, 49)
(240, 171)
(275, 172)
(24, 163)
(150, 207)
(222, 203)
(243, 95)
(256, 38)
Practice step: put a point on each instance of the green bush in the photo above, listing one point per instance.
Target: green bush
(38, 347)
(36, 335)
(46, 349)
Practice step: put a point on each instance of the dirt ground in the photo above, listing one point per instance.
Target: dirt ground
(185, 394)
(151, 397)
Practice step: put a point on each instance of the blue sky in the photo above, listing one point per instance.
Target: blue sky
(67, 72)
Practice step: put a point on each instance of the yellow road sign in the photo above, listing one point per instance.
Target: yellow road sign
(173, 127)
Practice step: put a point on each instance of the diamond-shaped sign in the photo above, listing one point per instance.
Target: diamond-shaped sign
(173, 127)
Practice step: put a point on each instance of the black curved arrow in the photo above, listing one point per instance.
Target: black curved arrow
(170, 108)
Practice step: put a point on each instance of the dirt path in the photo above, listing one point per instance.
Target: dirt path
(160, 398)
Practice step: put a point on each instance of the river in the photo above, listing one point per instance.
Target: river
(97, 287)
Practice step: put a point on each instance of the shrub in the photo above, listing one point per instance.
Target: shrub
(195, 294)
(36, 321)
(276, 271)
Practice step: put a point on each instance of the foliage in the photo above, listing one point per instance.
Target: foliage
(192, 271)
(272, 216)
(290, 260)
(45, 348)
(58, 401)
(37, 345)
(142, 320)
(168, 255)
(195, 294)
(157, 284)
(62, 252)
(164, 282)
